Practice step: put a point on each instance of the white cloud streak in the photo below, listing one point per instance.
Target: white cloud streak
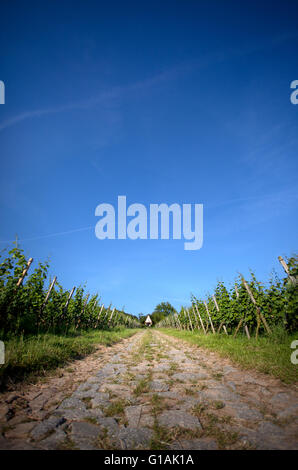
(158, 78)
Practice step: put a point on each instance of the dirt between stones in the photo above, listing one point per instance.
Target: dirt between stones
(151, 391)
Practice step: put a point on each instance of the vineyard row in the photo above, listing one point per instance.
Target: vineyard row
(248, 307)
(31, 307)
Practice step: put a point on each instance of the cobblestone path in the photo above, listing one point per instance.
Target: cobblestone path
(157, 392)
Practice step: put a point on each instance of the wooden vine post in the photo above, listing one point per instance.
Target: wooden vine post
(217, 308)
(30, 261)
(98, 316)
(247, 331)
(45, 301)
(183, 325)
(189, 319)
(110, 319)
(242, 320)
(260, 316)
(68, 300)
(196, 317)
(238, 327)
(236, 290)
(84, 308)
(287, 271)
(48, 294)
(107, 312)
(176, 316)
(206, 306)
(85, 303)
(197, 310)
(187, 327)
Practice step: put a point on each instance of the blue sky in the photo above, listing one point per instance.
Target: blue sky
(173, 102)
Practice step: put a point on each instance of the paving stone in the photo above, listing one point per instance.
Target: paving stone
(86, 430)
(194, 444)
(116, 358)
(94, 380)
(271, 437)
(3, 411)
(171, 394)
(157, 386)
(12, 397)
(290, 411)
(231, 385)
(103, 375)
(186, 404)
(16, 444)
(221, 392)
(173, 418)
(80, 443)
(133, 414)
(253, 381)
(248, 438)
(78, 415)
(118, 389)
(281, 398)
(20, 430)
(228, 370)
(72, 414)
(72, 403)
(146, 421)
(14, 419)
(107, 371)
(189, 377)
(132, 438)
(46, 426)
(161, 367)
(69, 421)
(85, 394)
(95, 412)
(84, 387)
(100, 399)
(54, 440)
(243, 411)
(109, 424)
(138, 377)
(38, 403)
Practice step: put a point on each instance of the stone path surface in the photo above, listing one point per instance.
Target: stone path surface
(156, 392)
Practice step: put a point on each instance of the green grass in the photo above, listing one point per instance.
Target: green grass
(142, 387)
(115, 408)
(30, 357)
(268, 354)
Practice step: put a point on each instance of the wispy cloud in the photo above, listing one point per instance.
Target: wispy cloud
(101, 98)
(164, 76)
(56, 234)
(58, 109)
(249, 212)
(272, 205)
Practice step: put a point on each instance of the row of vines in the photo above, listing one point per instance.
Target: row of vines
(247, 304)
(27, 306)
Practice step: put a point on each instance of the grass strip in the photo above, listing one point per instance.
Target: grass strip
(268, 354)
(32, 356)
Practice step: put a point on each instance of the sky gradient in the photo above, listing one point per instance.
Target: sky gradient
(163, 102)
